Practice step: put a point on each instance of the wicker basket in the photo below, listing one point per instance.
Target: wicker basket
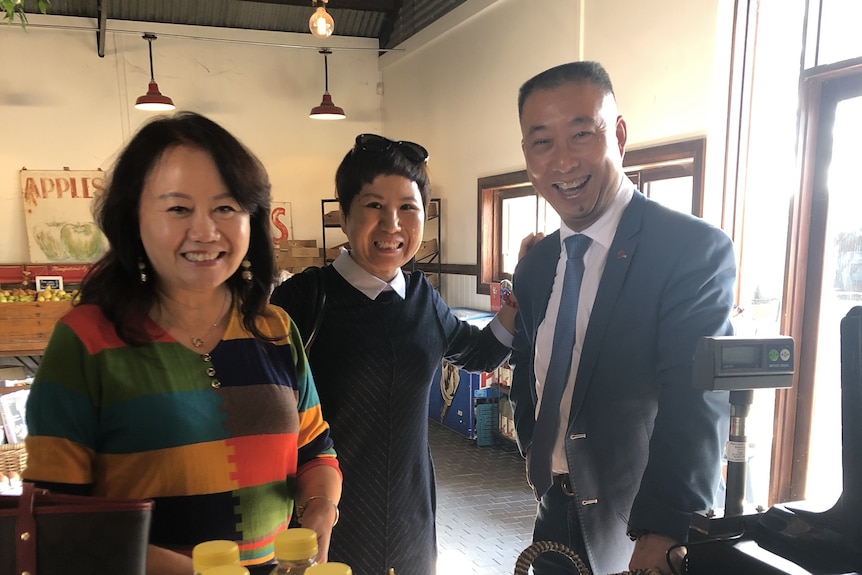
(13, 457)
(525, 559)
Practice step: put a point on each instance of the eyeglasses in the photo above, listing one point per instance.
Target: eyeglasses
(376, 144)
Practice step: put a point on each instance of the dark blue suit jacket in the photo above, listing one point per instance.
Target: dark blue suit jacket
(643, 446)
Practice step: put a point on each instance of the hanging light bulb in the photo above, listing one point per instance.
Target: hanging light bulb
(321, 23)
(327, 110)
(153, 100)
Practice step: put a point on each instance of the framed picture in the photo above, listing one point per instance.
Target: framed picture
(53, 282)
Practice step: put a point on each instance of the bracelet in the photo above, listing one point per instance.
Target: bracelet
(300, 509)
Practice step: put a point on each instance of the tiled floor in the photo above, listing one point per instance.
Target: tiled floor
(485, 508)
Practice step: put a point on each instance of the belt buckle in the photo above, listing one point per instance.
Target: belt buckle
(565, 484)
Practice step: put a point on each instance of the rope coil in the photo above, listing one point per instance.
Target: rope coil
(525, 559)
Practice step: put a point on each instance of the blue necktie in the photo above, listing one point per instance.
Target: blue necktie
(547, 423)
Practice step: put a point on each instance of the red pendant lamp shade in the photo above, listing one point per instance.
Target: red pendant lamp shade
(327, 110)
(153, 100)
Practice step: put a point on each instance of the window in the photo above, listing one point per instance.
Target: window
(510, 208)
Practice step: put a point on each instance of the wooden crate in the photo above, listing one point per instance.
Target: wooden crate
(25, 327)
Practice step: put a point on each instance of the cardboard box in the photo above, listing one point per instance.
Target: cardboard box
(332, 218)
(427, 248)
(301, 252)
(12, 372)
(504, 376)
(292, 263)
(287, 244)
(334, 252)
(495, 296)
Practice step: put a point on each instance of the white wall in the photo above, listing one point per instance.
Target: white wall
(456, 91)
(63, 106)
(453, 88)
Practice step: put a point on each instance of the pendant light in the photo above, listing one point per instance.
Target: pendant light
(321, 23)
(153, 100)
(326, 110)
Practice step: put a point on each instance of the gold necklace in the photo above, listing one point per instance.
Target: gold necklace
(198, 342)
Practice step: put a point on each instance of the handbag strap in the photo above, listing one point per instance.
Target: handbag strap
(319, 304)
(25, 531)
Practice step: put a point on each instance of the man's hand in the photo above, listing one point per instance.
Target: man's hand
(651, 553)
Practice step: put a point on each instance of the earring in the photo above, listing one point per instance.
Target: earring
(246, 270)
(142, 271)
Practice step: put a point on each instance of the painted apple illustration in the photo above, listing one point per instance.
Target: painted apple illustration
(48, 238)
(83, 241)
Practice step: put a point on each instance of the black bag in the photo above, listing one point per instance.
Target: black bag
(43, 533)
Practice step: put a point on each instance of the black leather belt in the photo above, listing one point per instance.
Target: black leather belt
(565, 484)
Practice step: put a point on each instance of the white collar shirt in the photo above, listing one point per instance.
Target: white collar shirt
(369, 284)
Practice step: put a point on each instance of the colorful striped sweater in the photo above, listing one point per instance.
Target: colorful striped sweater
(217, 441)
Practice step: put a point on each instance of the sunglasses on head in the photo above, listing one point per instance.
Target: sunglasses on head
(376, 144)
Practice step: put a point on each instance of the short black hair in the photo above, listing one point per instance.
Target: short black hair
(360, 167)
(569, 73)
(113, 282)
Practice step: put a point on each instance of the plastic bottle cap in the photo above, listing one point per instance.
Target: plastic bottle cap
(214, 554)
(296, 544)
(226, 570)
(332, 568)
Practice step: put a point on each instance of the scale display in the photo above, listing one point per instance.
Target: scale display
(735, 363)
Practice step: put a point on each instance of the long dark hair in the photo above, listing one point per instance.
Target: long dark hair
(114, 283)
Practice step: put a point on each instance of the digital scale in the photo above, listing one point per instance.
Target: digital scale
(786, 538)
(739, 365)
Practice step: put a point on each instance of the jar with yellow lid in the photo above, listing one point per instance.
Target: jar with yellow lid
(215, 553)
(332, 568)
(295, 551)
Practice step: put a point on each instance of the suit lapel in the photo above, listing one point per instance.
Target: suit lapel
(620, 255)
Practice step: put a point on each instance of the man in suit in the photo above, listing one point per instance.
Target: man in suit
(639, 448)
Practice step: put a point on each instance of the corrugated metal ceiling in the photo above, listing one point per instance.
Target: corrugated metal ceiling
(391, 21)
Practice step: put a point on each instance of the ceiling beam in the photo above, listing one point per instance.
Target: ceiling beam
(102, 10)
(361, 5)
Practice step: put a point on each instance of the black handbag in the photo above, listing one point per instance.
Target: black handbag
(44, 533)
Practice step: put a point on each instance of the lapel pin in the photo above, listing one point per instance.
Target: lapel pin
(621, 255)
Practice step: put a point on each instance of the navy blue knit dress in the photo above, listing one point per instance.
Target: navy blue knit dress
(373, 362)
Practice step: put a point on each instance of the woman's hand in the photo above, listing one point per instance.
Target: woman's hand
(320, 514)
(528, 242)
(318, 494)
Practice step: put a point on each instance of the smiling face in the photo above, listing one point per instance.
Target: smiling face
(385, 225)
(573, 142)
(194, 233)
